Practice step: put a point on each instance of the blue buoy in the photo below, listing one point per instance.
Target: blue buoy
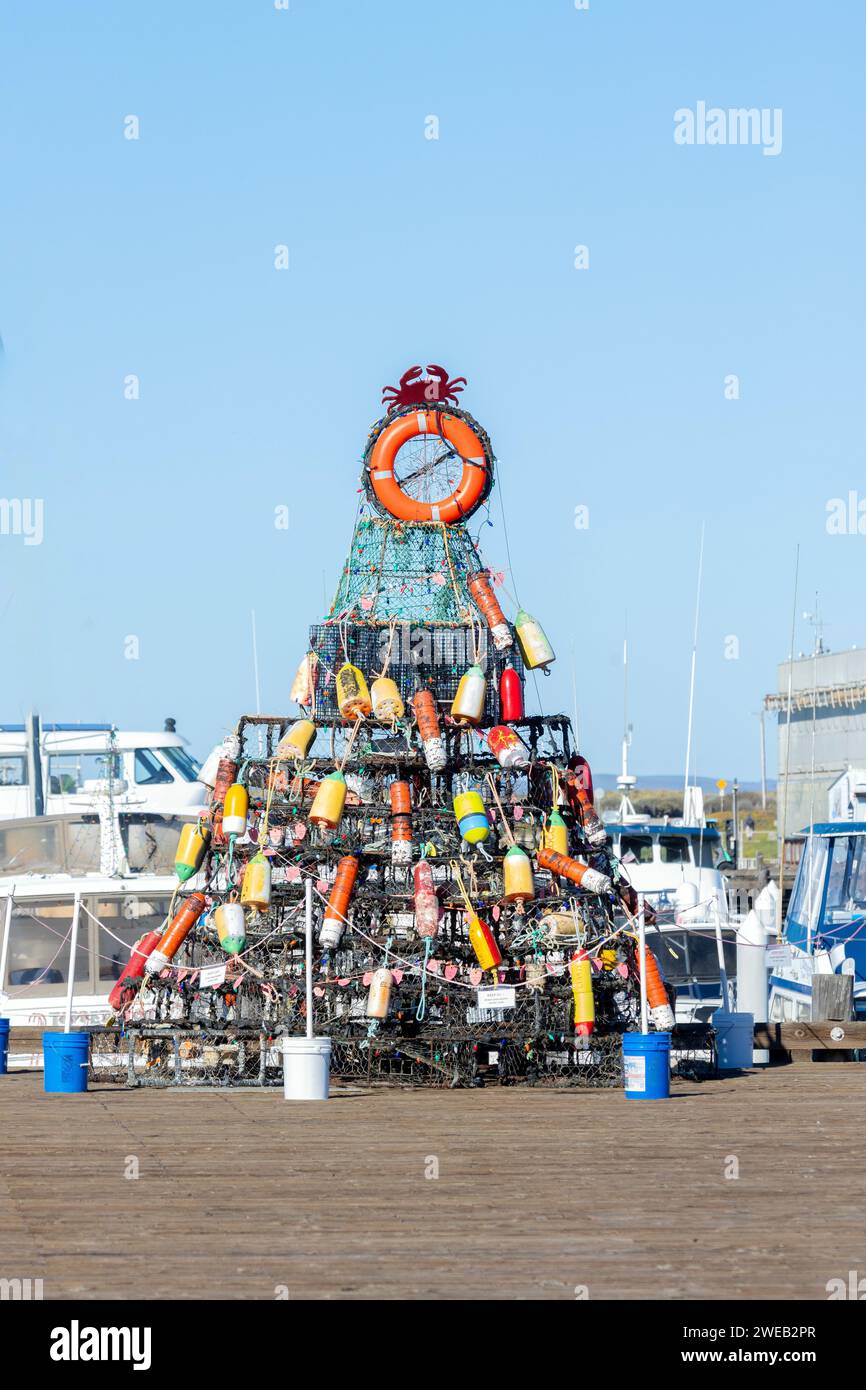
(66, 1056)
(646, 1063)
(4, 1046)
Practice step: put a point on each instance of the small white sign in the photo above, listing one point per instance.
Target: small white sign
(635, 1073)
(778, 955)
(496, 997)
(211, 976)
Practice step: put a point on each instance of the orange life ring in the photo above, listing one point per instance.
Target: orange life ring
(466, 443)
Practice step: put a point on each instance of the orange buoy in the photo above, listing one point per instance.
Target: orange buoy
(572, 869)
(424, 708)
(338, 901)
(657, 999)
(467, 445)
(487, 603)
(176, 933)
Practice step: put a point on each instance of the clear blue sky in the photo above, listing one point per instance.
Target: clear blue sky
(602, 387)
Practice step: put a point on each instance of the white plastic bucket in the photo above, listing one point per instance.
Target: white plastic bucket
(734, 1039)
(306, 1068)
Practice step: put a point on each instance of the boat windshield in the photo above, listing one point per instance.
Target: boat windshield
(804, 908)
(691, 957)
(181, 760)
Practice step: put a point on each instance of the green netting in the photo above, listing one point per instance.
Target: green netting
(414, 571)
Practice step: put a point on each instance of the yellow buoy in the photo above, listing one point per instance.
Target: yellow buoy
(468, 704)
(518, 875)
(534, 646)
(235, 809)
(353, 697)
(387, 701)
(298, 741)
(256, 887)
(471, 815)
(191, 846)
(328, 803)
(555, 834)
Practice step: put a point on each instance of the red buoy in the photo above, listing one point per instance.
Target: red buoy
(510, 696)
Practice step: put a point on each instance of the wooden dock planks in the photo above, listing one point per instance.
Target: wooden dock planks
(539, 1192)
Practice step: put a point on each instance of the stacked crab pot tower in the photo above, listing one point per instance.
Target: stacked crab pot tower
(469, 918)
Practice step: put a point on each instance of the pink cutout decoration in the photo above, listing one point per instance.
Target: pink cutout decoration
(293, 873)
(366, 602)
(319, 992)
(450, 971)
(343, 983)
(396, 976)
(322, 885)
(518, 813)
(476, 975)
(367, 978)
(622, 969)
(434, 966)
(496, 912)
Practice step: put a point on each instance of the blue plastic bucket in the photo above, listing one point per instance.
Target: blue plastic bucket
(647, 1066)
(4, 1046)
(66, 1056)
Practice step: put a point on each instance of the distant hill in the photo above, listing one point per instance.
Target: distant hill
(671, 781)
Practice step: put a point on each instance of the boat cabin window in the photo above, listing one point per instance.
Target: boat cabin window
(182, 763)
(38, 953)
(122, 922)
(150, 842)
(636, 849)
(13, 770)
(68, 772)
(691, 957)
(674, 849)
(149, 770)
(846, 886)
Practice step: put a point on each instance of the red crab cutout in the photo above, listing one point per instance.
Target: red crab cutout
(417, 390)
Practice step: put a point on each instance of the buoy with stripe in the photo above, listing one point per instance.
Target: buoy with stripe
(429, 731)
(517, 872)
(401, 822)
(555, 834)
(235, 809)
(176, 933)
(134, 968)
(589, 879)
(580, 971)
(353, 697)
(334, 921)
(379, 995)
(297, 743)
(581, 803)
(387, 700)
(534, 646)
(483, 943)
(507, 747)
(231, 924)
(466, 444)
(510, 696)
(468, 704)
(256, 884)
(471, 816)
(659, 1004)
(486, 602)
(191, 847)
(328, 803)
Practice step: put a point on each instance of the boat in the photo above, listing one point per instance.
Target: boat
(49, 769)
(120, 864)
(824, 931)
